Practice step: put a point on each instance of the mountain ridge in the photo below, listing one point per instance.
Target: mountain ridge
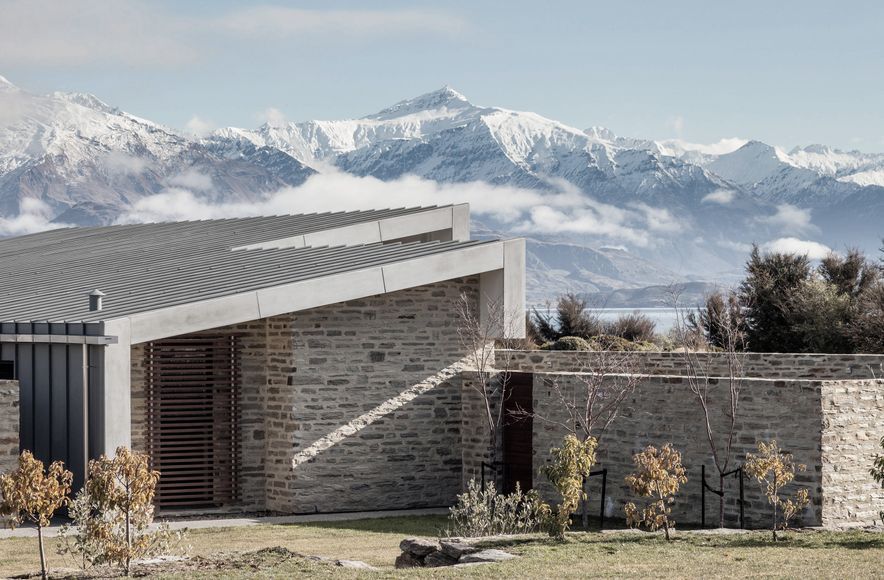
(685, 211)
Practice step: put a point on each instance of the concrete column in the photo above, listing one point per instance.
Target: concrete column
(116, 393)
(502, 294)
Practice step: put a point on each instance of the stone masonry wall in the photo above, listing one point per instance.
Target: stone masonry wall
(756, 365)
(9, 425)
(361, 394)
(853, 425)
(372, 416)
(475, 430)
(833, 427)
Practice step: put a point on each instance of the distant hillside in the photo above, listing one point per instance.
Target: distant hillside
(689, 294)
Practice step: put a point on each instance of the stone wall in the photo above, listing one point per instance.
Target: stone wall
(830, 426)
(853, 425)
(9, 425)
(475, 429)
(374, 405)
(354, 406)
(756, 365)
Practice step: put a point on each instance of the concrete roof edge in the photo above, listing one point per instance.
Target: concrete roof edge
(312, 293)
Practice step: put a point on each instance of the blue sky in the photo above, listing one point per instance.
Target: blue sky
(784, 72)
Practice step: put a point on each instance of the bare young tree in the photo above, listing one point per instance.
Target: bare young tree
(724, 328)
(485, 325)
(587, 404)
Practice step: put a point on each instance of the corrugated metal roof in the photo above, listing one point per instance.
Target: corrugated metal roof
(144, 267)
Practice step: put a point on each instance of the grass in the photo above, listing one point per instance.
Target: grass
(235, 553)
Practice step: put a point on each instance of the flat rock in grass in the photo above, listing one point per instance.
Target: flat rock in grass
(406, 560)
(486, 556)
(437, 559)
(457, 549)
(419, 547)
(356, 564)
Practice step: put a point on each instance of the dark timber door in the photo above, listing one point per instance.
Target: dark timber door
(518, 438)
(193, 419)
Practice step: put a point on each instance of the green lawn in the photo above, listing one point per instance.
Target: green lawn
(234, 553)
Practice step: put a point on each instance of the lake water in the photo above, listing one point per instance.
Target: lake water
(664, 317)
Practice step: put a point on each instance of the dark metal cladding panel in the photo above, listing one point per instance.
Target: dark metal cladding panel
(95, 400)
(58, 402)
(77, 442)
(42, 402)
(25, 369)
(7, 351)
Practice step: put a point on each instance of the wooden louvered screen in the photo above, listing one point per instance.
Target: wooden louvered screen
(193, 419)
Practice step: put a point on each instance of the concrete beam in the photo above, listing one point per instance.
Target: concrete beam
(218, 312)
(385, 230)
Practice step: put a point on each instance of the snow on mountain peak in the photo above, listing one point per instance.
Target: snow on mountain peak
(6, 85)
(444, 99)
(87, 100)
(600, 134)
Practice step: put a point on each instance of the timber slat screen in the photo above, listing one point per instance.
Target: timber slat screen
(192, 393)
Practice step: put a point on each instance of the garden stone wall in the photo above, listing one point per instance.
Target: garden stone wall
(9, 425)
(756, 365)
(831, 426)
(853, 425)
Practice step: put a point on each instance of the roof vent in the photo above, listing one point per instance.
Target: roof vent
(95, 300)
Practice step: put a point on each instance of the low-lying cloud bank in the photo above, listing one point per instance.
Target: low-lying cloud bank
(813, 250)
(34, 216)
(562, 209)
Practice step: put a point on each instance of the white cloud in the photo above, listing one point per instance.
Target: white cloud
(813, 250)
(88, 32)
(34, 216)
(659, 219)
(677, 124)
(736, 246)
(142, 33)
(268, 21)
(119, 163)
(14, 105)
(563, 210)
(192, 179)
(199, 127)
(273, 117)
(721, 196)
(790, 218)
(677, 147)
(545, 219)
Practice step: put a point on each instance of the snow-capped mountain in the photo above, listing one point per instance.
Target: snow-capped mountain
(680, 211)
(87, 160)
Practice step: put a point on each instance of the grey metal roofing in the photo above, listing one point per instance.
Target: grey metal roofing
(144, 267)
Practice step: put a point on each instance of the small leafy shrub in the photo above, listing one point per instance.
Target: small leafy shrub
(619, 344)
(33, 494)
(634, 327)
(571, 463)
(877, 473)
(488, 513)
(658, 475)
(568, 343)
(775, 469)
(113, 511)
